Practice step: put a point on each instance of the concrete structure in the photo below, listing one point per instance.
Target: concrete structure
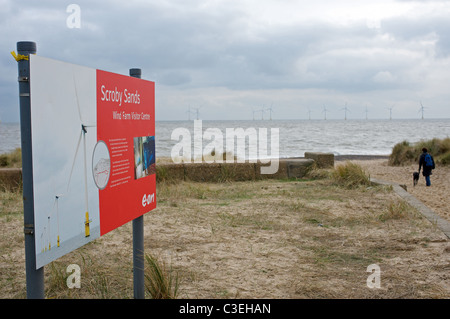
(203, 172)
(323, 160)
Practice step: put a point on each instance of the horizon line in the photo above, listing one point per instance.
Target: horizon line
(296, 119)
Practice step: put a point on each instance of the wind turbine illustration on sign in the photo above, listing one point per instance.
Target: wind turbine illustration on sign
(57, 218)
(82, 137)
(46, 235)
(46, 238)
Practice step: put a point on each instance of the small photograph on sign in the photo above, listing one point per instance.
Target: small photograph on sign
(144, 156)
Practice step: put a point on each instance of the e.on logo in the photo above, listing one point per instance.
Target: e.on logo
(148, 199)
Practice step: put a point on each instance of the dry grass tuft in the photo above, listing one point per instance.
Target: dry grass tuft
(350, 175)
(161, 280)
(396, 210)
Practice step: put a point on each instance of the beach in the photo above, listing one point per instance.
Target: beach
(281, 239)
(436, 197)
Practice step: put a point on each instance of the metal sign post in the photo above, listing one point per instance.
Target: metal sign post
(138, 240)
(91, 93)
(34, 277)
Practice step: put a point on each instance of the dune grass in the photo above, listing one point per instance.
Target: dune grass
(12, 159)
(405, 153)
(350, 175)
(161, 280)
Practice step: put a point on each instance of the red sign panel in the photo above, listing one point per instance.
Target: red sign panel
(126, 125)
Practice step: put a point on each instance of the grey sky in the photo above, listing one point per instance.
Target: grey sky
(229, 57)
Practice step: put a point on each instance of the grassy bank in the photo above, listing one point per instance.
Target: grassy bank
(405, 153)
(12, 159)
(311, 238)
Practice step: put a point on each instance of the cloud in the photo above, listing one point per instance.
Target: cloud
(214, 51)
(384, 77)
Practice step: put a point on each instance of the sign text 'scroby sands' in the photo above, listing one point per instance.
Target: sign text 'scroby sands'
(116, 96)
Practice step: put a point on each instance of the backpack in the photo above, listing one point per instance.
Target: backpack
(428, 160)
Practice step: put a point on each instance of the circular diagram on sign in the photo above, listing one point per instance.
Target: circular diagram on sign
(101, 165)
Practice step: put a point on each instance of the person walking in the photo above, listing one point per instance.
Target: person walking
(427, 162)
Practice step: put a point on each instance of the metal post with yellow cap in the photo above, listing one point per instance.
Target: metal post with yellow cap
(34, 277)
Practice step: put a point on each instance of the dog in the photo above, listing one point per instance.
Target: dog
(415, 178)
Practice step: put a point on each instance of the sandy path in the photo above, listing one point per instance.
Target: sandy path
(436, 197)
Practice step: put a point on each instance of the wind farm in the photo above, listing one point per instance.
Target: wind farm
(262, 110)
(328, 110)
(195, 112)
(358, 108)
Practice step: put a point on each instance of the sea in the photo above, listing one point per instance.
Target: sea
(340, 137)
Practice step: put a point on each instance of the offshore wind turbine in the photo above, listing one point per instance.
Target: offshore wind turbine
(262, 113)
(309, 113)
(325, 111)
(345, 110)
(255, 112)
(270, 110)
(421, 108)
(390, 111)
(197, 112)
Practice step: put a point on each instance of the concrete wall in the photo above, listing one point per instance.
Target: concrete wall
(323, 160)
(11, 178)
(220, 172)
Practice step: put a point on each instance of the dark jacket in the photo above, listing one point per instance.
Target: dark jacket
(427, 171)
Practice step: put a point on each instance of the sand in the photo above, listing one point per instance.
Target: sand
(436, 197)
(262, 239)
